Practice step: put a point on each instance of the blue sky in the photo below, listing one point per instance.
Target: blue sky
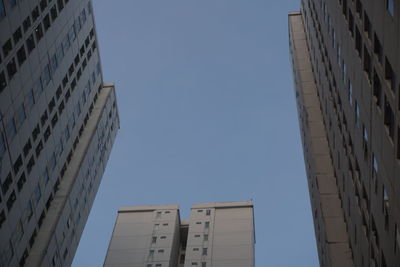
(207, 110)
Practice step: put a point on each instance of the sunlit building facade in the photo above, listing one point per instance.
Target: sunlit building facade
(217, 235)
(346, 67)
(58, 121)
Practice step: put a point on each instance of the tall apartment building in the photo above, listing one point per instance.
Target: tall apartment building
(217, 235)
(346, 66)
(58, 121)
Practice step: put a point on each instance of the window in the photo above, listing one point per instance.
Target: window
(2, 12)
(207, 225)
(10, 201)
(39, 32)
(389, 118)
(208, 212)
(377, 89)
(3, 82)
(53, 13)
(195, 249)
(43, 5)
(30, 43)
(46, 22)
(7, 47)
(204, 251)
(367, 26)
(60, 5)
(151, 253)
(11, 69)
(165, 224)
(203, 264)
(398, 143)
(26, 24)
(367, 63)
(205, 237)
(156, 226)
(158, 265)
(35, 13)
(153, 239)
(17, 35)
(390, 7)
(163, 237)
(160, 251)
(194, 263)
(199, 210)
(21, 55)
(389, 74)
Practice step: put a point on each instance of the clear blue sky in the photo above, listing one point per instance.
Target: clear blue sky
(207, 110)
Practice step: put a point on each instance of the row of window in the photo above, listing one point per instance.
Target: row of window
(385, 198)
(59, 146)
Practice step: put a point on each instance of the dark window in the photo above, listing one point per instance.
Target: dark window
(367, 63)
(10, 201)
(52, 104)
(76, 60)
(65, 81)
(2, 213)
(53, 13)
(39, 148)
(398, 143)
(39, 32)
(17, 164)
(35, 13)
(6, 184)
(367, 26)
(351, 23)
(58, 92)
(60, 5)
(30, 43)
(359, 8)
(47, 134)
(390, 7)
(54, 120)
(2, 12)
(61, 107)
(358, 42)
(26, 24)
(71, 70)
(3, 81)
(44, 117)
(27, 147)
(46, 22)
(30, 164)
(344, 8)
(36, 132)
(21, 55)
(17, 35)
(389, 118)
(12, 3)
(11, 69)
(7, 47)
(82, 50)
(43, 5)
(378, 48)
(389, 74)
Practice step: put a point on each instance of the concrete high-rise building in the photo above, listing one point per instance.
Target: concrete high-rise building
(346, 66)
(58, 121)
(217, 234)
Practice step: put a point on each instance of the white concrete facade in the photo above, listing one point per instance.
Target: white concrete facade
(217, 234)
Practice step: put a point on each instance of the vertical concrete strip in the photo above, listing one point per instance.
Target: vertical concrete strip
(329, 223)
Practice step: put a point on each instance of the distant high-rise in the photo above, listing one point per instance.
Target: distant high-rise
(58, 121)
(217, 235)
(346, 66)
